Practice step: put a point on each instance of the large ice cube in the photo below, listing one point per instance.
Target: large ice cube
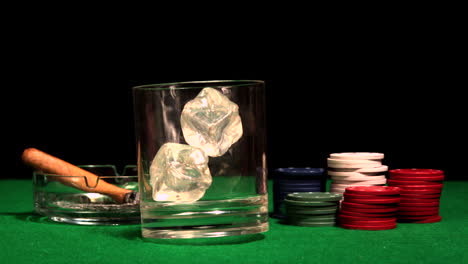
(211, 122)
(179, 173)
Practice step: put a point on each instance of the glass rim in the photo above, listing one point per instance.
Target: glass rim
(198, 84)
(41, 173)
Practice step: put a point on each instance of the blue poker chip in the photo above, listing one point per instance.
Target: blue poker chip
(292, 185)
(289, 180)
(291, 171)
(316, 189)
(315, 182)
(299, 189)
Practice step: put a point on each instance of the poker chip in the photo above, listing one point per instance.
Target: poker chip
(410, 182)
(314, 196)
(349, 218)
(312, 218)
(373, 215)
(420, 194)
(418, 213)
(421, 187)
(309, 203)
(301, 185)
(361, 196)
(425, 220)
(369, 227)
(358, 183)
(352, 164)
(355, 169)
(423, 204)
(369, 207)
(291, 180)
(413, 209)
(310, 224)
(312, 209)
(371, 210)
(358, 155)
(416, 172)
(296, 208)
(358, 205)
(308, 211)
(382, 168)
(436, 178)
(357, 178)
(374, 190)
(416, 200)
(374, 201)
(421, 191)
(389, 221)
(289, 190)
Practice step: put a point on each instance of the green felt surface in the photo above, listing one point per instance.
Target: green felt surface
(26, 240)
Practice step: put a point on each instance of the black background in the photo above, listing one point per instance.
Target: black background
(412, 116)
(398, 95)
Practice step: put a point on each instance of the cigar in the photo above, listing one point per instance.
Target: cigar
(47, 163)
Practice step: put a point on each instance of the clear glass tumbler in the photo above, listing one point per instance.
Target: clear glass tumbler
(201, 158)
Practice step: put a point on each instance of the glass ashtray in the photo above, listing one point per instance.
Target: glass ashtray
(60, 202)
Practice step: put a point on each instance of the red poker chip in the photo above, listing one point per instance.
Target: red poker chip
(366, 222)
(414, 209)
(359, 205)
(402, 183)
(417, 213)
(415, 172)
(365, 196)
(373, 190)
(347, 212)
(415, 218)
(432, 219)
(421, 191)
(420, 187)
(374, 201)
(428, 204)
(361, 218)
(371, 210)
(368, 227)
(416, 200)
(436, 178)
(419, 196)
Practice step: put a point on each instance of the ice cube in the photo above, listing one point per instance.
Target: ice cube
(211, 122)
(179, 173)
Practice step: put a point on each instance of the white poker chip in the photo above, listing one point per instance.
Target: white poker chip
(337, 190)
(358, 155)
(353, 164)
(345, 171)
(380, 181)
(333, 186)
(375, 169)
(346, 161)
(355, 179)
(351, 174)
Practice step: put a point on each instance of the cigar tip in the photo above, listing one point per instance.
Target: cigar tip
(27, 152)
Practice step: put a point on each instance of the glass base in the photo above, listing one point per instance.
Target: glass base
(205, 219)
(222, 231)
(95, 221)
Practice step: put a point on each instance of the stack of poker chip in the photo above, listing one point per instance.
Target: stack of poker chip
(290, 180)
(369, 207)
(420, 194)
(312, 208)
(355, 169)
